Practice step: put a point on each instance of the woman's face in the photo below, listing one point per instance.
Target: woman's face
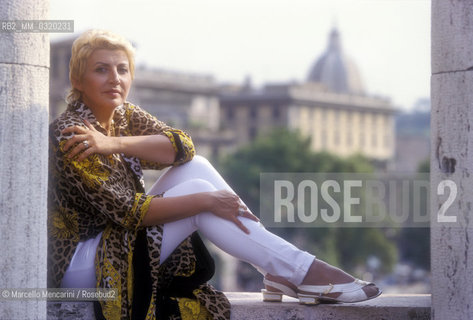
(106, 81)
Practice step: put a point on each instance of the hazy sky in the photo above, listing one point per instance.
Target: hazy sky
(270, 40)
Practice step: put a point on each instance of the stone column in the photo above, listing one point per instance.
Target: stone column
(452, 159)
(24, 90)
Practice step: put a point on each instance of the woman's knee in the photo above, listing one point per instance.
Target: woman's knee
(197, 168)
(189, 187)
(200, 159)
(199, 163)
(201, 185)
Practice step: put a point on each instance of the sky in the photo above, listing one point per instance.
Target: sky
(270, 41)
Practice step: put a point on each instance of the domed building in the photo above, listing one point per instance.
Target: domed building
(331, 107)
(335, 70)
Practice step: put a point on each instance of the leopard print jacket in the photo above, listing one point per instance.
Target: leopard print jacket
(106, 194)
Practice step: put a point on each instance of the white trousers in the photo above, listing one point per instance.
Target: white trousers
(264, 250)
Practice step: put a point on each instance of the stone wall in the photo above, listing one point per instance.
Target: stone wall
(451, 159)
(24, 90)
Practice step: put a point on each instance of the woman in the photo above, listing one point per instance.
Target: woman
(106, 232)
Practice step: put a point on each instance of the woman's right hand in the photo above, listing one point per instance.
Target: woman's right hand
(229, 206)
(86, 141)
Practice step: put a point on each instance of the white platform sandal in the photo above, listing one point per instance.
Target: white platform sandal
(350, 292)
(276, 296)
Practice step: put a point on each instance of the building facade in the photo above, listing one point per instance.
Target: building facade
(331, 107)
(336, 123)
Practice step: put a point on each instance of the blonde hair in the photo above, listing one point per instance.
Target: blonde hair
(85, 45)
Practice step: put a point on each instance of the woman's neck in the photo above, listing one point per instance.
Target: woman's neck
(106, 123)
(104, 117)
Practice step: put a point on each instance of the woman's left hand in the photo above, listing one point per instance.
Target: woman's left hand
(229, 206)
(87, 141)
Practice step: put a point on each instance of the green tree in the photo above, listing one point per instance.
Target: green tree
(287, 151)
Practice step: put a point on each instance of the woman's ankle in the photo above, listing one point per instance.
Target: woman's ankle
(280, 280)
(319, 273)
(322, 273)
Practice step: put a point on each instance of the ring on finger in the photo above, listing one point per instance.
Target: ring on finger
(241, 211)
(86, 144)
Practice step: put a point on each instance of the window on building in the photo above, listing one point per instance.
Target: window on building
(374, 140)
(312, 114)
(336, 138)
(348, 122)
(230, 113)
(276, 113)
(323, 139)
(324, 115)
(387, 141)
(252, 133)
(387, 122)
(253, 112)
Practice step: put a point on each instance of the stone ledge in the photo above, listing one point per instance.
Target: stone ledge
(249, 305)
(387, 306)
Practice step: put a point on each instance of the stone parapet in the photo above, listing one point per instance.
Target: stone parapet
(249, 305)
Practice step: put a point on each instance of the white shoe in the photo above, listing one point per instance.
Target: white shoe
(276, 296)
(350, 292)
